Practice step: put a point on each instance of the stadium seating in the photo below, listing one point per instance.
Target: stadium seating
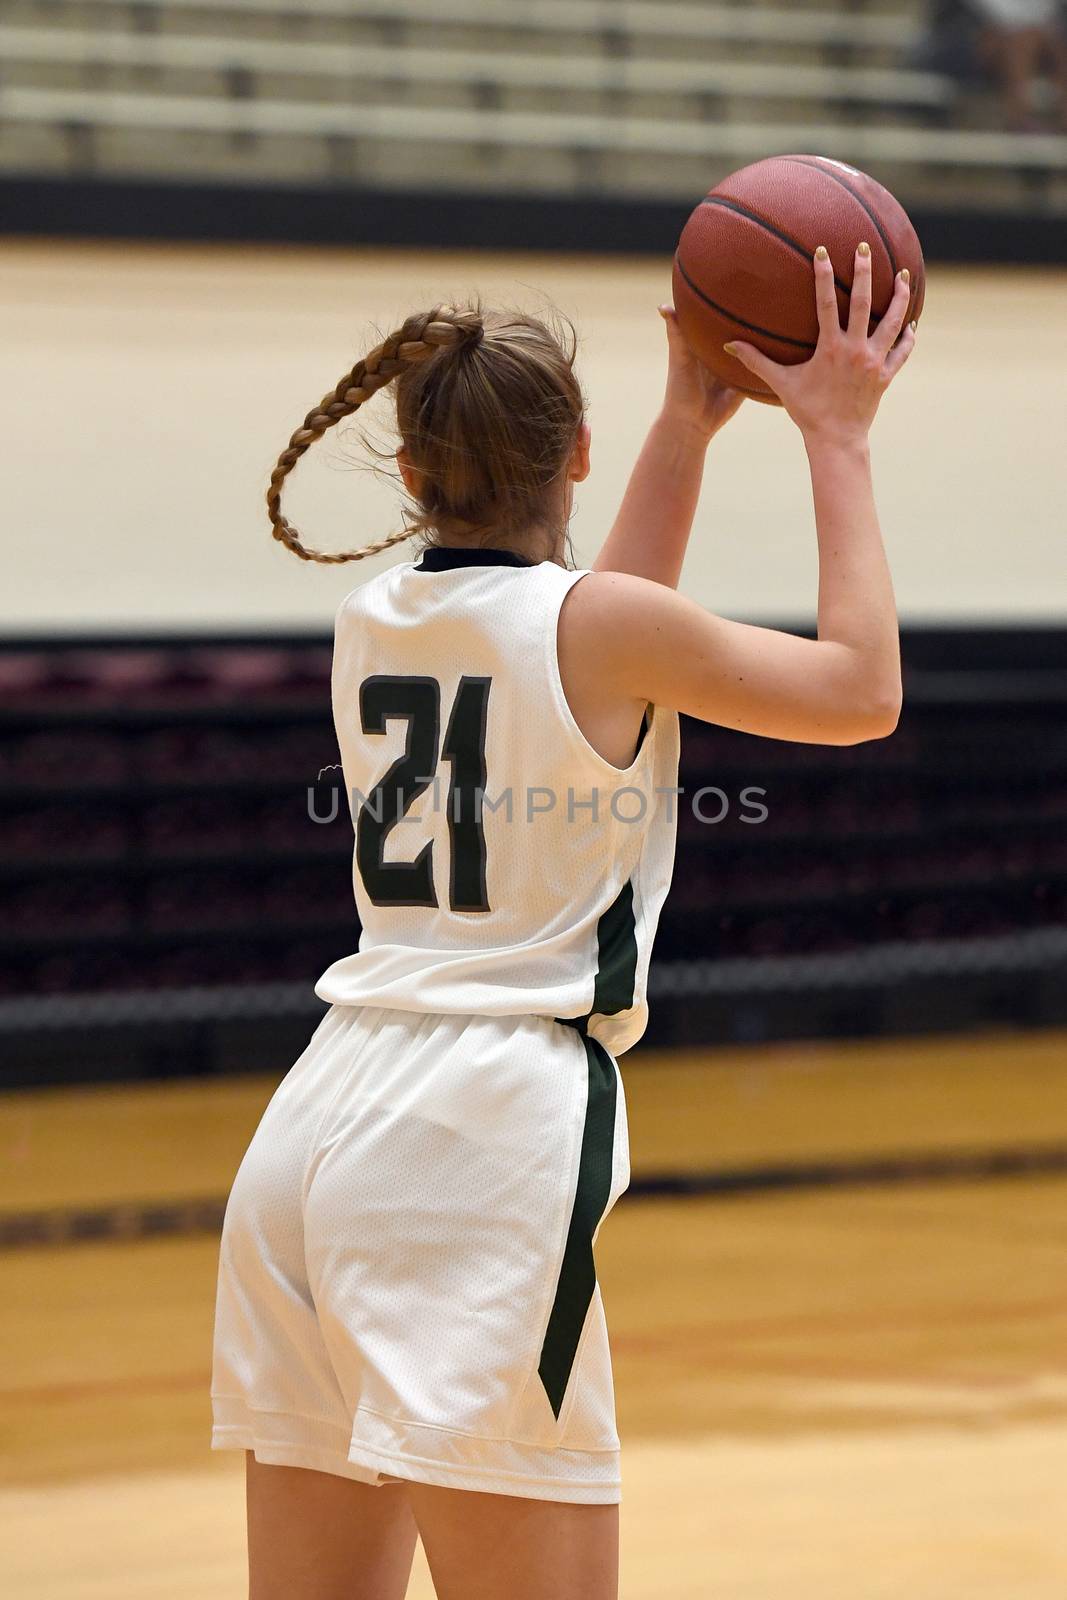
(630, 97)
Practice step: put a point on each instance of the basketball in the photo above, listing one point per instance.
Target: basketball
(743, 267)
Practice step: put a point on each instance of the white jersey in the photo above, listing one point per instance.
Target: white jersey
(502, 867)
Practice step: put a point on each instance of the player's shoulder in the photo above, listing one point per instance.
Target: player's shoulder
(616, 626)
(612, 603)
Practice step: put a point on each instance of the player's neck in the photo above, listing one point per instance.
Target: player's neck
(535, 544)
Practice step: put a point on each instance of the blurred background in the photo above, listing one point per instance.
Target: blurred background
(849, 1115)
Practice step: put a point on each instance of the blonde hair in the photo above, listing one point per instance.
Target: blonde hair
(488, 408)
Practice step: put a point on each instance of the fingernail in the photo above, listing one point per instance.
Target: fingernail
(731, 348)
(865, 249)
(822, 254)
(905, 274)
(914, 326)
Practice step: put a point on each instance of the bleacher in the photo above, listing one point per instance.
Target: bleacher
(631, 98)
(171, 897)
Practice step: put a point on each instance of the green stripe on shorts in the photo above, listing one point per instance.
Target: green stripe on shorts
(577, 1277)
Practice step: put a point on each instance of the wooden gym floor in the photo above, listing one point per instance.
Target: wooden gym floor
(856, 1391)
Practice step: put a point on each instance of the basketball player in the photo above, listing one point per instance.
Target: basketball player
(409, 1333)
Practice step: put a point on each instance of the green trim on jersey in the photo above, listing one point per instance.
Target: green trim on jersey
(577, 1277)
(616, 973)
(445, 557)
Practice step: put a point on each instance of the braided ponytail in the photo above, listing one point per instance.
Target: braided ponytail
(421, 336)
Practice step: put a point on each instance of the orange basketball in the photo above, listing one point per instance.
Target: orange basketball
(743, 267)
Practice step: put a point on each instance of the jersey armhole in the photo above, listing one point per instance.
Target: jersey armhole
(567, 716)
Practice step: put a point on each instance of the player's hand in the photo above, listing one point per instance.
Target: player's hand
(836, 394)
(695, 397)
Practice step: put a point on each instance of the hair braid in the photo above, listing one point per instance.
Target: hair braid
(420, 337)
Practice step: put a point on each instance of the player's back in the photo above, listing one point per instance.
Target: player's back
(502, 865)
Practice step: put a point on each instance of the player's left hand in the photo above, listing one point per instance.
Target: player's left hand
(695, 397)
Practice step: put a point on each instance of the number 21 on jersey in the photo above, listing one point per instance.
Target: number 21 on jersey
(417, 701)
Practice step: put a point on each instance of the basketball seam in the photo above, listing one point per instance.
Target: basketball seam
(816, 166)
(754, 216)
(753, 327)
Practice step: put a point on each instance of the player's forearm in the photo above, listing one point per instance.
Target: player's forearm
(649, 536)
(857, 608)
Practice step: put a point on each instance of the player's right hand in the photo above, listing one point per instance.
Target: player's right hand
(836, 394)
(694, 396)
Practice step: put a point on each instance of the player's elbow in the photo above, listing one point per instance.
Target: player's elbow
(885, 710)
(875, 717)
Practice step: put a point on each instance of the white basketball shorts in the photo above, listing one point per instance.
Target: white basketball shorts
(406, 1285)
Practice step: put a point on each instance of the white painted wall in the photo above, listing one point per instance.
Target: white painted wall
(146, 391)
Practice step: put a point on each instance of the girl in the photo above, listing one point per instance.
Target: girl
(409, 1333)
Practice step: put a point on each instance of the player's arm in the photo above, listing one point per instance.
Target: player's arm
(649, 643)
(649, 536)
